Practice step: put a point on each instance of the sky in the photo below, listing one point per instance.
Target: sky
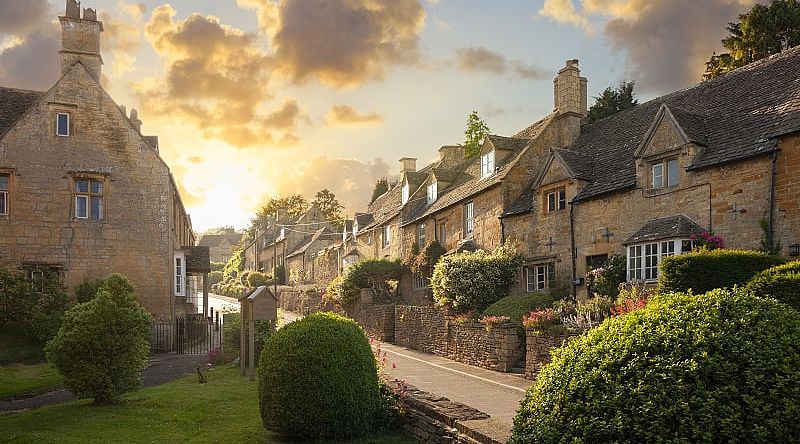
(259, 98)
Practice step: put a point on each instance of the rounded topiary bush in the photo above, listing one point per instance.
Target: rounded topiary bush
(781, 282)
(317, 378)
(719, 367)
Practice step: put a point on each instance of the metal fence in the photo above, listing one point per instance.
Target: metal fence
(186, 335)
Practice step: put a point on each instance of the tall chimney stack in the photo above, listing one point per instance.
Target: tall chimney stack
(80, 38)
(569, 98)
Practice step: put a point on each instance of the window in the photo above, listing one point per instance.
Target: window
(387, 235)
(442, 234)
(404, 191)
(418, 281)
(469, 215)
(348, 261)
(539, 277)
(644, 259)
(433, 192)
(88, 199)
(42, 276)
(487, 164)
(180, 275)
(556, 200)
(421, 236)
(665, 174)
(4, 194)
(62, 124)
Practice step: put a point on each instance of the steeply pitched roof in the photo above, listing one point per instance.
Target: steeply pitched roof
(13, 104)
(363, 219)
(579, 164)
(734, 115)
(303, 245)
(664, 228)
(508, 143)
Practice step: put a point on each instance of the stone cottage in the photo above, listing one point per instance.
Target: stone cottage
(83, 193)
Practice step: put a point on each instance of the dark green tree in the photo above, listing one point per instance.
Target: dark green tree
(612, 101)
(760, 32)
(476, 131)
(381, 186)
(294, 205)
(329, 207)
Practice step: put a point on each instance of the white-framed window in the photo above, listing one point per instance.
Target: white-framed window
(664, 174)
(89, 199)
(387, 235)
(469, 219)
(556, 200)
(539, 277)
(179, 266)
(62, 124)
(405, 191)
(418, 282)
(421, 236)
(433, 192)
(644, 259)
(487, 163)
(369, 237)
(4, 179)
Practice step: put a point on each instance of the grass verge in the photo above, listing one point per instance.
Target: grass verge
(223, 411)
(20, 381)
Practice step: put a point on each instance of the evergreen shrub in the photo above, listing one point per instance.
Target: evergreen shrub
(781, 282)
(703, 270)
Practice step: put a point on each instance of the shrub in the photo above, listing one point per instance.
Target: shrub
(719, 367)
(37, 314)
(605, 280)
(257, 279)
(423, 262)
(473, 281)
(231, 334)
(702, 271)
(375, 274)
(781, 282)
(214, 277)
(86, 290)
(101, 348)
(318, 379)
(234, 266)
(516, 306)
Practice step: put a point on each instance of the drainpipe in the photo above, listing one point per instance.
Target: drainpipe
(502, 231)
(573, 251)
(772, 183)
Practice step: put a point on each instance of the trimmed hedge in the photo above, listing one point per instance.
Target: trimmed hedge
(318, 378)
(703, 271)
(718, 367)
(781, 282)
(374, 274)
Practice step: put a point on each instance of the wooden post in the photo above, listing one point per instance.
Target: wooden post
(205, 295)
(252, 346)
(242, 335)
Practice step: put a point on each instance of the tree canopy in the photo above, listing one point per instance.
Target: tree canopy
(381, 186)
(476, 131)
(294, 205)
(612, 101)
(329, 207)
(760, 32)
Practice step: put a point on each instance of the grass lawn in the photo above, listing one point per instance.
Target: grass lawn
(19, 381)
(16, 348)
(223, 411)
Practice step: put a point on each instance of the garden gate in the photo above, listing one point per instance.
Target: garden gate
(186, 335)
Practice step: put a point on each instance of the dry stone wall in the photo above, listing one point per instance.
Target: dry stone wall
(537, 351)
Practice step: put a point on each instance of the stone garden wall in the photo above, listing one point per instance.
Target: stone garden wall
(537, 353)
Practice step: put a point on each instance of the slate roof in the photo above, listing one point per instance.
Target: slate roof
(309, 240)
(734, 116)
(212, 240)
(534, 129)
(13, 104)
(363, 219)
(665, 228)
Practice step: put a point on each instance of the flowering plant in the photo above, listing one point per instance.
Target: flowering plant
(490, 321)
(605, 280)
(707, 240)
(541, 319)
(628, 306)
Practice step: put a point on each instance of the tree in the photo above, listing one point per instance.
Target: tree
(761, 32)
(612, 101)
(381, 186)
(477, 130)
(329, 207)
(294, 205)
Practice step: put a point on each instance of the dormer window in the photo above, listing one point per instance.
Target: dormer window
(404, 192)
(664, 174)
(433, 192)
(556, 200)
(487, 163)
(62, 124)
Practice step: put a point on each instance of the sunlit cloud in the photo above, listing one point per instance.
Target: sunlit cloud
(122, 35)
(346, 116)
(479, 59)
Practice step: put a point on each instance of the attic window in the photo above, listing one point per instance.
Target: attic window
(62, 124)
(487, 163)
(556, 200)
(664, 174)
(405, 192)
(433, 192)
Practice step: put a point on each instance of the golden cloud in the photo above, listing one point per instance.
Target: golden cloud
(346, 116)
(122, 35)
(342, 44)
(479, 59)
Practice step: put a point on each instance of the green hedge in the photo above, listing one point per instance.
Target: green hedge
(703, 271)
(516, 306)
(475, 280)
(716, 367)
(374, 274)
(781, 282)
(318, 379)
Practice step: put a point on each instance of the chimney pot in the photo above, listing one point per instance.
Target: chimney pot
(89, 14)
(409, 164)
(135, 120)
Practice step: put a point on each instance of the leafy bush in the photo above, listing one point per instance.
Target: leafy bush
(375, 274)
(719, 367)
(214, 277)
(37, 314)
(781, 282)
(234, 266)
(473, 281)
(86, 290)
(257, 279)
(423, 262)
(231, 334)
(101, 348)
(702, 271)
(318, 379)
(516, 306)
(605, 280)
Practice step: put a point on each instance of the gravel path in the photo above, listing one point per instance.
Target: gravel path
(161, 368)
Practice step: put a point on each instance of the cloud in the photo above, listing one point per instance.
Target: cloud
(33, 63)
(18, 17)
(479, 59)
(341, 44)
(346, 116)
(122, 35)
(216, 77)
(667, 41)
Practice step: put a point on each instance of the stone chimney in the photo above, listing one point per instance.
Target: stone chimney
(80, 38)
(451, 155)
(135, 120)
(409, 164)
(569, 97)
